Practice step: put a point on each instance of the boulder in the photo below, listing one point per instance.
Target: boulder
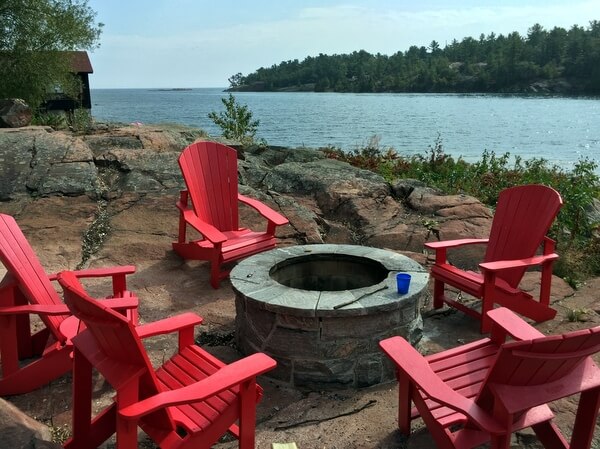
(16, 155)
(14, 113)
(99, 144)
(39, 163)
(429, 201)
(402, 188)
(142, 170)
(19, 431)
(158, 138)
(313, 177)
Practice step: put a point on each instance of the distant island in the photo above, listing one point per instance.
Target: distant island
(555, 61)
(174, 89)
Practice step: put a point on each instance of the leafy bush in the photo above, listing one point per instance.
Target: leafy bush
(55, 121)
(81, 120)
(236, 121)
(577, 241)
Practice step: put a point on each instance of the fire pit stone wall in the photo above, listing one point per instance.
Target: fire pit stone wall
(326, 339)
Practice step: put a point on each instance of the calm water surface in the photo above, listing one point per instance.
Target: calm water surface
(559, 129)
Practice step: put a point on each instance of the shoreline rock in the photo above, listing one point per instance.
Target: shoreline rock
(131, 175)
(327, 201)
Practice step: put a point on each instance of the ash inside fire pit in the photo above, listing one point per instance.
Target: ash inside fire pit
(328, 272)
(321, 310)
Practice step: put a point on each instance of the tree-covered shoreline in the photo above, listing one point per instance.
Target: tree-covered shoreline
(556, 60)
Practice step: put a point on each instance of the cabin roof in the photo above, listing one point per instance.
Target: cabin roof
(80, 62)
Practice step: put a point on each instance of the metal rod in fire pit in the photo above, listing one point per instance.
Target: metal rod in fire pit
(347, 303)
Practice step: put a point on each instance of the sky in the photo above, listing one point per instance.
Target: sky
(201, 43)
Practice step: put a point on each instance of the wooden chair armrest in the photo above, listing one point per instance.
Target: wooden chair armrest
(518, 263)
(408, 360)
(105, 271)
(168, 325)
(455, 243)
(442, 247)
(117, 273)
(207, 230)
(39, 309)
(124, 303)
(99, 272)
(274, 217)
(227, 377)
(505, 322)
(62, 309)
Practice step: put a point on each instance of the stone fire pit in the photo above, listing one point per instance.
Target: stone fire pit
(320, 311)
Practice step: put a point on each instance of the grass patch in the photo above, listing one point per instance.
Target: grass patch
(577, 315)
(95, 234)
(60, 434)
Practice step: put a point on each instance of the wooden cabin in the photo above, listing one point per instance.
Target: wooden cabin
(59, 101)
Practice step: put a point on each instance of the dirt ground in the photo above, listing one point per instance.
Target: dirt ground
(319, 420)
(166, 285)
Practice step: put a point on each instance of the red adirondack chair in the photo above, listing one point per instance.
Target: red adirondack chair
(32, 358)
(523, 216)
(189, 402)
(210, 173)
(485, 390)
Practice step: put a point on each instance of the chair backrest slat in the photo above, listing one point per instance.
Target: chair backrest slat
(116, 344)
(540, 361)
(522, 218)
(210, 172)
(22, 263)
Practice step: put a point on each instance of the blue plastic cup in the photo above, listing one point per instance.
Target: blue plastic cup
(403, 282)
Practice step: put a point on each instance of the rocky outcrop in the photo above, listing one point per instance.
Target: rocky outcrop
(118, 188)
(14, 113)
(35, 161)
(19, 431)
(327, 201)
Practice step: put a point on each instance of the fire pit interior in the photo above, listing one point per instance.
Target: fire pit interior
(328, 272)
(321, 310)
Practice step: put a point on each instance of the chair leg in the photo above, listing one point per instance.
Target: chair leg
(500, 441)
(438, 294)
(9, 353)
(404, 403)
(487, 301)
(181, 235)
(247, 419)
(486, 323)
(82, 401)
(550, 437)
(126, 434)
(585, 420)
(215, 266)
(215, 274)
(126, 430)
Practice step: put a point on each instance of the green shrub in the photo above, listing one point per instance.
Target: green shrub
(577, 242)
(236, 121)
(56, 121)
(81, 120)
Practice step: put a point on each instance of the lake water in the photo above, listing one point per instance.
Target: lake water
(559, 129)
